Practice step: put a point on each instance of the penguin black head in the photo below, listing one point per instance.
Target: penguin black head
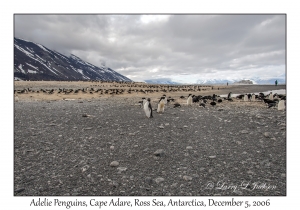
(161, 98)
(149, 99)
(229, 95)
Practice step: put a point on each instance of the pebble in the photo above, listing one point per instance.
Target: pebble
(189, 147)
(187, 178)
(114, 163)
(159, 152)
(244, 131)
(267, 134)
(212, 157)
(112, 147)
(19, 190)
(159, 180)
(121, 169)
(148, 180)
(161, 127)
(85, 168)
(114, 184)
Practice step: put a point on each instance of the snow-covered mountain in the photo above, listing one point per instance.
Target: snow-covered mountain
(165, 81)
(214, 81)
(239, 81)
(219, 81)
(36, 62)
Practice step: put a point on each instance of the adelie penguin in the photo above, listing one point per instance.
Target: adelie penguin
(253, 97)
(161, 105)
(166, 100)
(190, 99)
(271, 96)
(229, 95)
(142, 102)
(281, 105)
(148, 108)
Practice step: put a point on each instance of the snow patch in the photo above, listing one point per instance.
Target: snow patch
(32, 71)
(22, 70)
(40, 58)
(41, 46)
(17, 79)
(24, 51)
(32, 66)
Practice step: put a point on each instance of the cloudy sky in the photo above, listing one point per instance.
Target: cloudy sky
(182, 48)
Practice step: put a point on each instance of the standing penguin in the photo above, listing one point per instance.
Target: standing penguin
(166, 100)
(246, 97)
(229, 95)
(281, 105)
(161, 105)
(190, 99)
(143, 102)
(253, 97)
(271, 96)
(148, 108)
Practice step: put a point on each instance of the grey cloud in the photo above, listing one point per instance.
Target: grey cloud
(181, 44)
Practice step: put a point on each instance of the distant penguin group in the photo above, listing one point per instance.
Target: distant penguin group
(268, 99)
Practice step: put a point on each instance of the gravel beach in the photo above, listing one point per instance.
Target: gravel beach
(106, 146)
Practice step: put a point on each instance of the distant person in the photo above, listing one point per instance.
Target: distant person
(276, 82)
(227, 83)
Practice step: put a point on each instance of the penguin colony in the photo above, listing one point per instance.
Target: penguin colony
(278, 101)
(118, 88)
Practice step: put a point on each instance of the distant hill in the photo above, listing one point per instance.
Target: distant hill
(218, 81)
(36, 62)
(244, 82)
(162, 81)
